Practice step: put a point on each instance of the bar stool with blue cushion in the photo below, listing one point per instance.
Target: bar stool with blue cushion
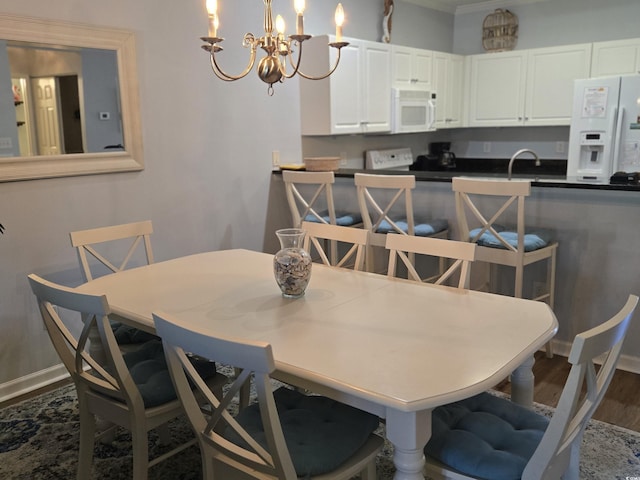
(491, 213)
(282, 435)
(131, 390)
(490, 438)
(386, 206)
(310, 198)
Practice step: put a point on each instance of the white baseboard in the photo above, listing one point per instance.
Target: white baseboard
(33, 381)
(626, 362)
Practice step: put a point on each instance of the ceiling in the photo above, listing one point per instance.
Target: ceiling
(465, 6)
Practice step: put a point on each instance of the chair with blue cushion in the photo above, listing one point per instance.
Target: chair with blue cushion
(351, 244)
(386, 206)
(283, 434)
(131, 390)
(460, 253)
(98, 247)
(491, 213)
(310, 198)
(490, 438)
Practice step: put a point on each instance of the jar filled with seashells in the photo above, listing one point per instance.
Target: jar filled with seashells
(292, 264)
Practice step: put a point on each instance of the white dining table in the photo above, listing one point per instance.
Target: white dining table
(394, 348)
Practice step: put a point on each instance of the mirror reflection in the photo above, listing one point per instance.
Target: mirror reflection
(66, 100)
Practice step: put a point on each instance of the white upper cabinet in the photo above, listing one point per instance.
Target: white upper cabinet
(448, 83)
(410, 66)
(619, 57)
(356, 98)
(527, 87)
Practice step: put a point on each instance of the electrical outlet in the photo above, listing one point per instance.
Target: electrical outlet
(343, 159)
(559, 147)
(5, 142)
(486, 147)
(275, 158)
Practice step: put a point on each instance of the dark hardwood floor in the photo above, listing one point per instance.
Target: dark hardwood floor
(620, 406)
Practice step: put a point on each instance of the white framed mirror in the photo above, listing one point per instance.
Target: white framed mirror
(93, 69)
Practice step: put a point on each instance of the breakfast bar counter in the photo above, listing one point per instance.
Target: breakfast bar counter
(596, 226)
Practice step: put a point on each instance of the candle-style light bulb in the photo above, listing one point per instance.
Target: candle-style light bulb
(212, 9)
(280, 27)
(299, 6)
(339, 17)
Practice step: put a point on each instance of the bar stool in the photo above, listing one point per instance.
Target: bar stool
(386, 206)
(499, 241)
(316, 204)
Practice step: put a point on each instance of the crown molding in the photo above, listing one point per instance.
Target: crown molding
(481, 6)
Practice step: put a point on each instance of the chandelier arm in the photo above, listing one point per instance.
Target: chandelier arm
(309, 77)
(221, 74)
(289, 55)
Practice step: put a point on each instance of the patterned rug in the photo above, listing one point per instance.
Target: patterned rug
(39, 441)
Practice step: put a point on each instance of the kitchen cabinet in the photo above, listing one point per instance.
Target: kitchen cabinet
(356, 98)
(618, 57)
(526, 87)
(411, 66)
(448, 84)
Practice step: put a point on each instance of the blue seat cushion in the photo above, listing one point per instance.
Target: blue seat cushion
(128, 335)
(150, 373)
(344, 219)
(422, 229)
(320, 433)
(485, 436)
(533, 239)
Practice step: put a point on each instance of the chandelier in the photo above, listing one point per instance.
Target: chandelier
(279, 51)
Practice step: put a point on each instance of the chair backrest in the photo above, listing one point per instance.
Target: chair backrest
(84, 241)
(581, 395)
(472, 213)
(312, 205)
(462, 254)
(354, 238)
(107, 376)
(382, 197)
(251, 359)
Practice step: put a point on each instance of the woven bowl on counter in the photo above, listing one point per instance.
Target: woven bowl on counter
(322, 164)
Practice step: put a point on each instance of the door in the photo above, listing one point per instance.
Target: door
(45, 102)
(628, 140)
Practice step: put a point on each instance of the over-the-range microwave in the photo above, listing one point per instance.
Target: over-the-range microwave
(412, 110)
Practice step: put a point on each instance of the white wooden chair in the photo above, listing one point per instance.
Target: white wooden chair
(252, 444)
(85, 242)
(386, 206)
(310, 198)
(355, 239)
(498, 227)
(106, 387)
(133, 241)
(517, 442)
(462, 254)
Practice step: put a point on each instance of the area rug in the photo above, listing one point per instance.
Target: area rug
(39, 441)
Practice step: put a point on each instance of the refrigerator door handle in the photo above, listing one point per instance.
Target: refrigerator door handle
(617, 128)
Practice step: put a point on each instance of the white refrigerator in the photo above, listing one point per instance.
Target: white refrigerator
(605, 129)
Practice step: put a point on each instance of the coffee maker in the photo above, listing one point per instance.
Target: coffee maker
(441, 156)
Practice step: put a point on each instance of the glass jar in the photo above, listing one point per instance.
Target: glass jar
(292, 264)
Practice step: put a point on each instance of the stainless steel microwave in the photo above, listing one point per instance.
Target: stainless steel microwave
(412, 110)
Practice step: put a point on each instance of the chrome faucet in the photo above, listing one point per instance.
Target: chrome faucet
(517, 154)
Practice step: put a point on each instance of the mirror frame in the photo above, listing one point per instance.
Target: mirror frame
(45, 31)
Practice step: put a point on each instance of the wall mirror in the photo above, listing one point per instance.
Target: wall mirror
(69, 100)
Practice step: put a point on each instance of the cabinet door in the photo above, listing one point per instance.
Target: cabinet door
(497, 89)
(421, 67)
(376, 87)
(346, 93)
(402, 65)
(454, 99)
(439, 83)
(620, 57)
(551, 73)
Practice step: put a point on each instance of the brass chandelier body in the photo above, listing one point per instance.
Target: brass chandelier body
(279, 51)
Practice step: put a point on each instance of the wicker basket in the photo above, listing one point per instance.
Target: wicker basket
(500, 31)
(322, 164)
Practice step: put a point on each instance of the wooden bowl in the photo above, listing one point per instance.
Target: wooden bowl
(322, 164)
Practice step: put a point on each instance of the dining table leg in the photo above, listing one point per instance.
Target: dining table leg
(409, 433)
(522, 381)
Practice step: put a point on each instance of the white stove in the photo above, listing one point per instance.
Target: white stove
(392, 159)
